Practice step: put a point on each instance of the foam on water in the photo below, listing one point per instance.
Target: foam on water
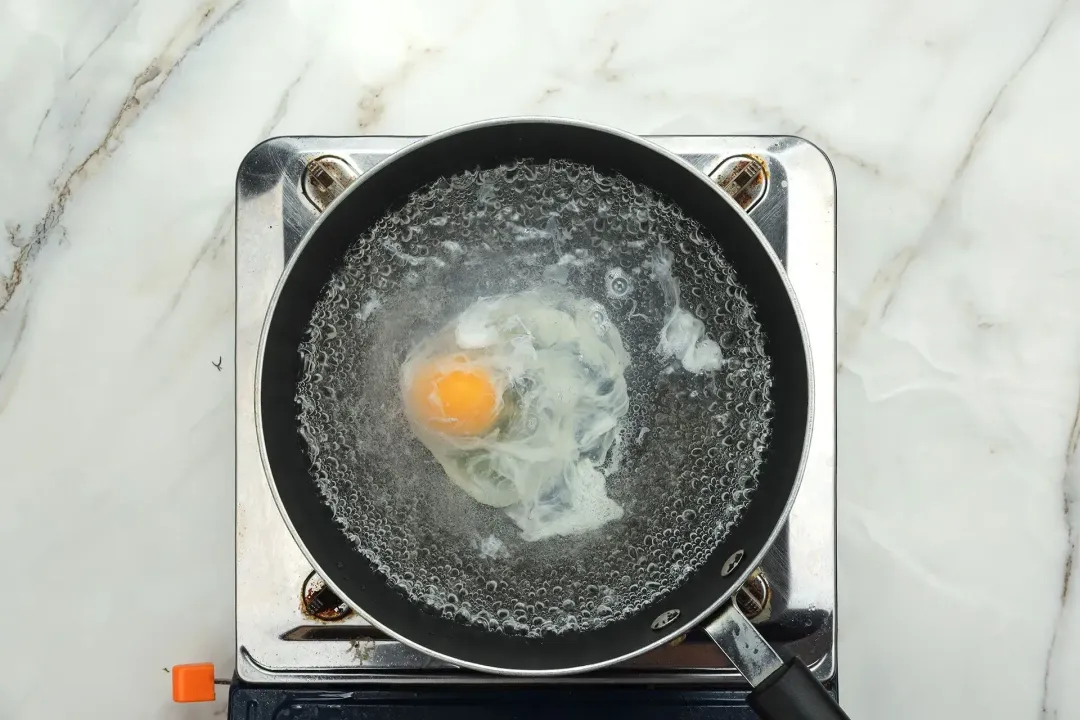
(694, 434)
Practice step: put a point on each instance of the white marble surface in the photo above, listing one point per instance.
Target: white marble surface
(952, 126)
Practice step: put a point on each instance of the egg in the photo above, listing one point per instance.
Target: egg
(522, 400)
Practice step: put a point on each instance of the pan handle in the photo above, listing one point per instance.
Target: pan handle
(782, 690)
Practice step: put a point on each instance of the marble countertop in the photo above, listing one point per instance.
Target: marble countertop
(951, 127)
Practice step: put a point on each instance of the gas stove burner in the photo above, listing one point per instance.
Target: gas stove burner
(292, 631)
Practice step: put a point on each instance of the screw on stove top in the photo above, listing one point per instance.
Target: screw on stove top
(319, 601)
(664, 619)
(754, 595)
(744, 178)
(731, 563)
(325, 178)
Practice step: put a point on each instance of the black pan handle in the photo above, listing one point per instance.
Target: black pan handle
(793, 693)
(782, 691)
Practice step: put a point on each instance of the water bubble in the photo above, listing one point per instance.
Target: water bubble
(617, 283)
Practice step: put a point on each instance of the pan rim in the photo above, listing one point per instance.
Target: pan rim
(747, 567)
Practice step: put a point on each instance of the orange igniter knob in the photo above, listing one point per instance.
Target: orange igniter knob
(193, 683)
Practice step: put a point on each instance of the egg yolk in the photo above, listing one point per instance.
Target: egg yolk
(460, 401)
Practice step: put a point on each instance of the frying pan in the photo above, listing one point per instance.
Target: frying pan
(782, 689)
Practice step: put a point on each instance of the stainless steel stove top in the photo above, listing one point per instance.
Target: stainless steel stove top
(789, 188)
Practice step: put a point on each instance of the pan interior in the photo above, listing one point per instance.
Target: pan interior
(691, 446)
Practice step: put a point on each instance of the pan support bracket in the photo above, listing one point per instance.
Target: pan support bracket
(325, 178)
(754, 597)
(744, 177)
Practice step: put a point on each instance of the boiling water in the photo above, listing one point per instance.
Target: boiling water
(698, 423)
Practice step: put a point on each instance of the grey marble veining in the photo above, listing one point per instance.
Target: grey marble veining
(952, 130)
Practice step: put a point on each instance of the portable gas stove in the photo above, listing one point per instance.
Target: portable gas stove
(302, 653)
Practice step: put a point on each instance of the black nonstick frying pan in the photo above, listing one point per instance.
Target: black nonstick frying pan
(782, 689)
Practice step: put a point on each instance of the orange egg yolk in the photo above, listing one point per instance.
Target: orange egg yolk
(459, 401)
